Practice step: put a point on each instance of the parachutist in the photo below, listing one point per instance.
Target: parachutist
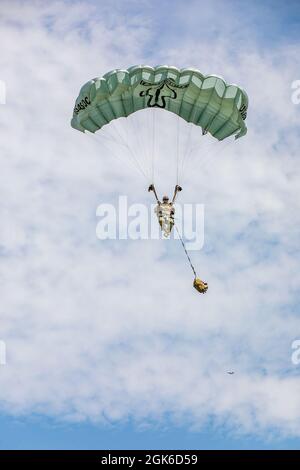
(165, 210)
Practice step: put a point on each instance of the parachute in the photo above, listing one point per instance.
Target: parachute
(205, 101)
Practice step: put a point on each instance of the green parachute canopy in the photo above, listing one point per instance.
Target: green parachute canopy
(205, 100)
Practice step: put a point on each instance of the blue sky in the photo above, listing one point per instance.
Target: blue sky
(41, 433)
(107, 344)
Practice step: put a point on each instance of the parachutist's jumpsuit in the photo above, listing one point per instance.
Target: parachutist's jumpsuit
(165, 212)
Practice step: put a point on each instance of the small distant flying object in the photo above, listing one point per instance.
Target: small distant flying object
(230, 372)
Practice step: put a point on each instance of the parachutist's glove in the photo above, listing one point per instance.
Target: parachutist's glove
(151, 187)
(178, 188)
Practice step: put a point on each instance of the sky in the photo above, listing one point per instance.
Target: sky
(107, 344)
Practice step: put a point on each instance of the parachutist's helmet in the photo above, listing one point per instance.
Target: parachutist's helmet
(165, 199)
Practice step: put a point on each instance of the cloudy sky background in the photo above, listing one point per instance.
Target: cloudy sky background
(107, 343)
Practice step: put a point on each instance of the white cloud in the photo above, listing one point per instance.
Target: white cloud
(104, 331)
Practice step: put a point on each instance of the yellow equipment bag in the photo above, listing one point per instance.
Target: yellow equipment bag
(200, 286)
